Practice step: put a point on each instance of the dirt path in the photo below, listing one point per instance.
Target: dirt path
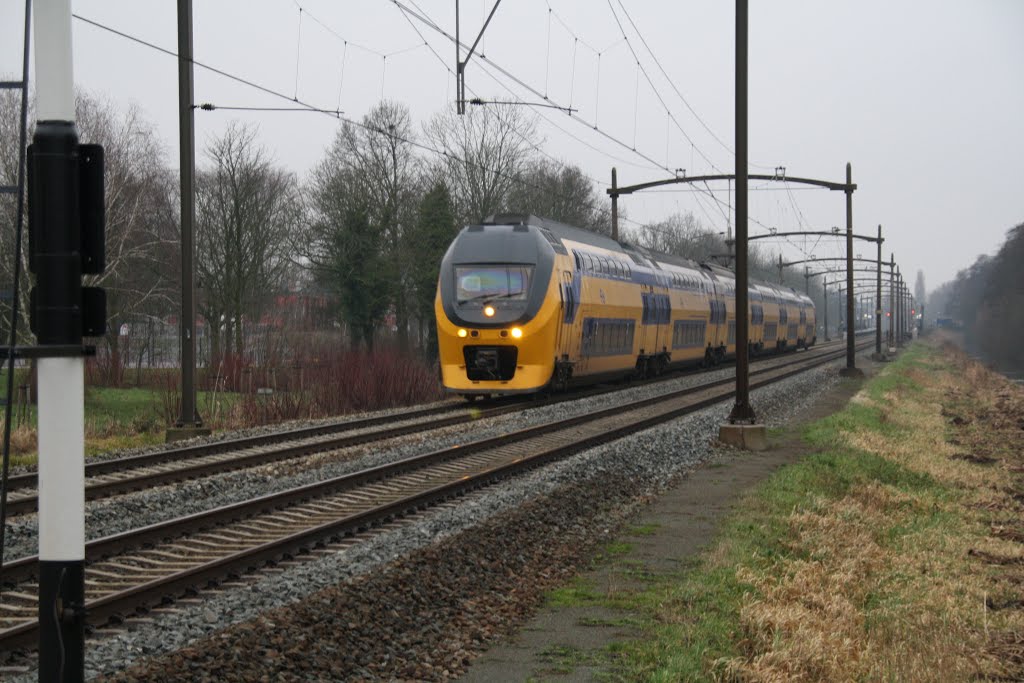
(565, 643)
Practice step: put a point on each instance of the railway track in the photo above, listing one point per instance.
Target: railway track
(130, 571)
(123, 475)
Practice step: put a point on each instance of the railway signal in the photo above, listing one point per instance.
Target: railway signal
(65, 235)
(65, 241)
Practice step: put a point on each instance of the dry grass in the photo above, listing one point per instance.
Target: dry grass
(23, 443)
(903, 583)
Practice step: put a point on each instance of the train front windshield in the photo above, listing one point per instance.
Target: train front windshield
(492, 282)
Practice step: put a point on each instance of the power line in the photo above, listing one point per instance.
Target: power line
(427, 20)
(658, 94)
(309, 107)
(532, 144)
(669, 79)
(421, 17)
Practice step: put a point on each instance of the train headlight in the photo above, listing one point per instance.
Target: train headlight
(489, 311)
(462, 333)
(517, 333)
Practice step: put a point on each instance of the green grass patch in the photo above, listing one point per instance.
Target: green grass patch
(116, 419)
(578, 593)
(617, 549)
(644, 530)
(690, 620)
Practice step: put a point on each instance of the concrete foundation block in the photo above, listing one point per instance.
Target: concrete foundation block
(182, 433)
(748, 437)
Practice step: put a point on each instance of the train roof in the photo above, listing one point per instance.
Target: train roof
(640, 255)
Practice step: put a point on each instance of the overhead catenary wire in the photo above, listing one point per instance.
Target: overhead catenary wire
(625, 39)
(657, 94)
(311, 108)
(337, 114)
(341, 77)
(298, 53)
(421, 17)
(531, 143)
(694, 147)
(484, 68)
(425, 19)
(664, 73)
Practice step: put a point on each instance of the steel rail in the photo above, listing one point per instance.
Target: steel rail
(251, 456)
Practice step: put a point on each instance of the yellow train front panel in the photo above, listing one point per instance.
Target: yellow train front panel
(492, 360)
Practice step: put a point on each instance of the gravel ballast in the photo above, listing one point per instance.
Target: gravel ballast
(125, 512)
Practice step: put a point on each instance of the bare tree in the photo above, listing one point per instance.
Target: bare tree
(246, 208)
(344, 251)
(140, 218)
(380, 156)
(681, 235)
(488, 153)
(561, 192)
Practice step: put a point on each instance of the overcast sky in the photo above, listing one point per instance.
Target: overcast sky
(922, 97)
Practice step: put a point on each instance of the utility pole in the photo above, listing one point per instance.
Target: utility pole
(878, 300)
(851, 359)
(189, 423)
(742, 429)
(824, 287)
(903, 312)
(460, 64)
(615, 205)
(892, 300)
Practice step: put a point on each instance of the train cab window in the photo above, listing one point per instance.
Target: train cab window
(492, 282)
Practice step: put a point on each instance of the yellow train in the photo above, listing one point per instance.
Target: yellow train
(526, 304)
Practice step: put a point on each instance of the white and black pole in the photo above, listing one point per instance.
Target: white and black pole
(57, 308)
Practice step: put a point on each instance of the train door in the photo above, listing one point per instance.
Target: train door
(570, 305)
(564, 352)
(717, 318)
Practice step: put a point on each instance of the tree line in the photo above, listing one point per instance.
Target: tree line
(987, 299)
(362, 235)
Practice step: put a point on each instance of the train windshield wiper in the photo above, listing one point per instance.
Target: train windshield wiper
(507, 295)
(475, 298)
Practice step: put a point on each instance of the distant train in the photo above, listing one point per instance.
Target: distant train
(526, 304)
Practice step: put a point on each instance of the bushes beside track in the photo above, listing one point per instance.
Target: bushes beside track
(325, 382)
